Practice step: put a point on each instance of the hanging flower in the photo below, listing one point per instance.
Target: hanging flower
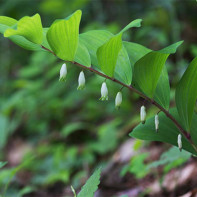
(179, 142)
(143, 114)
(81, 81)
(118, 99)
(156, 122)
(104, 92)
(63, 73)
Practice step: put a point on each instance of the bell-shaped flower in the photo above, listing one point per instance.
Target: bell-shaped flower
(104, 92)
(179, 142)
(81, 81)
(118, 99)
(63, 73)
(143, 114)
(156, 122)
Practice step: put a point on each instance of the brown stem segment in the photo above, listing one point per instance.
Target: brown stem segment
(130, 87)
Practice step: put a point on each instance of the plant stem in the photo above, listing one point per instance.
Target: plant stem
(130, 87)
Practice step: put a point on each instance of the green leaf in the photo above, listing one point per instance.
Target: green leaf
(93, 40)
(171, 155)
(5, 23)
(107, 54)
(8, 21)
(135, 23)
(91, 185)
(28, 27)
(162, 92)
(147, 71)
(123, 69)
(167, 132)
(82, 55)
(186, 94)
(2, 164)
(136, 52)
(172, 48)
(63, 36)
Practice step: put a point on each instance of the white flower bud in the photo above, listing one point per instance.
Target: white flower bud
(179, 142)
(118, 99)
(156, 122)
(143, 114)
(63, 73)
(81, 81)
(104, 92)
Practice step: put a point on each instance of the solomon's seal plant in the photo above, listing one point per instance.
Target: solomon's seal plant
(81, 81)
(128, 64)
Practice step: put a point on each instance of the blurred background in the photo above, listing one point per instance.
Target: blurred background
(53, 136)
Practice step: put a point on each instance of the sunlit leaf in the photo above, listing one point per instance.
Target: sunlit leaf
(63, 36)
(107, 54)
(28, 27)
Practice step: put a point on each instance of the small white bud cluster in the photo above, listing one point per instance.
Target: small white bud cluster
(156, 122)
(179, 142)
(81, 81)
(63, 73)
(118, 99)
(143, 114)
(104, 92)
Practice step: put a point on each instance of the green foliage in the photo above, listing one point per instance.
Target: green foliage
(147, 71)
(63, 36)
(107, 54)
(2, 164)
(137, 166)
(91, 185)
(28, 27)
(170, 159)
(167, 132)
(186, 94)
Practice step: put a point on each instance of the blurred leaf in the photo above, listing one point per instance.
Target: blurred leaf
(2, 164)
(28, 27)
(91, 185)
(167, 132)
(171, 155)
(107, 54)
(186, 94)
(63, 36)
(136, 166)
(8, 21)
(3, 130)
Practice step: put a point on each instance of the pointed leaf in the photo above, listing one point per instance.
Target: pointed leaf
(147, 71)
(135, 23)
(186, 94)
(91, 185)
(82, 55)
(28, 27)
(162, 92)
(167, 132)
(107, 54)
(63, 36)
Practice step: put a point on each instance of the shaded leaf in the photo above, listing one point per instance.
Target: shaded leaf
(186, 94)
(167, 132)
